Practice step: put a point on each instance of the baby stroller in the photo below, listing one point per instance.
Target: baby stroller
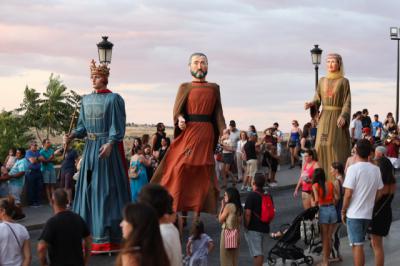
(286, 249)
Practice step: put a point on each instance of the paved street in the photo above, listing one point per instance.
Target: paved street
(287, 208)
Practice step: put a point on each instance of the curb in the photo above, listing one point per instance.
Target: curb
(33, 227)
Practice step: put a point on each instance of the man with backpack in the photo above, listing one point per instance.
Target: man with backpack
(259, 212)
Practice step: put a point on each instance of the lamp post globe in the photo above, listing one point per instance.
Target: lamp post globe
(316, 53)
(105, 50)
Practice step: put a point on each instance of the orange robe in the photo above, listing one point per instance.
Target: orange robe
(187, 170)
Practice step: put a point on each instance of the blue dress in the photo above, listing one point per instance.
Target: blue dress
(102, 189)
(140, 181)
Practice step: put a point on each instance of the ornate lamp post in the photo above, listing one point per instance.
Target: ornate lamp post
(316, 60)
(105, 50)
(394, 35)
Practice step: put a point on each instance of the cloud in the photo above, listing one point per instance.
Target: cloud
(259, 51)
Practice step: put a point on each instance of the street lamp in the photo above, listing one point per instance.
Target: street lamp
(394, 35)
(316, 60)
(105, 50)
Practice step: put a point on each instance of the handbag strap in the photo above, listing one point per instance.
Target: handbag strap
(16, 238)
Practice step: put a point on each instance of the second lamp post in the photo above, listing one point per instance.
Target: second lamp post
(316, 60)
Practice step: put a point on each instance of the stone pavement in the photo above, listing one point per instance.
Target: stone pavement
(37, 217)
(391, 249)
(287, 179)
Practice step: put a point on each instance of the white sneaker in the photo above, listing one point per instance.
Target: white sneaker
(242, 188)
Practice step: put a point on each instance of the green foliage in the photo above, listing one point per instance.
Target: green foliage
(31, 108)
(52, 113)
(13, 133)
(54, 116)
(78, 145)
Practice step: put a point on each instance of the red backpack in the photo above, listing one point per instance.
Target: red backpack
(267, 208)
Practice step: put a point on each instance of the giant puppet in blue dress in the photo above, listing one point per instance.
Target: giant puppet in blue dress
(103, 186)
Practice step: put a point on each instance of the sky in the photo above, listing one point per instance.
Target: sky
(258, 52)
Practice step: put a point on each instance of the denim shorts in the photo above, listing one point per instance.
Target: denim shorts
(356, 229)
(257, 242)
(49, 176)
(327, 214)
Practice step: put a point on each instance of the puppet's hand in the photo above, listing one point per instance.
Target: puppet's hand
(307, 105)
(341, 121)
(181, 123)
(105, 150)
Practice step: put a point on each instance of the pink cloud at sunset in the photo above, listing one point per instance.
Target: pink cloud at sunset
(259, 52)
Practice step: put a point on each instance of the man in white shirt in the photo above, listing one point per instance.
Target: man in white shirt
(279, 138)
(362, 184)
(356, 128)
(235, 134)
(158, 197)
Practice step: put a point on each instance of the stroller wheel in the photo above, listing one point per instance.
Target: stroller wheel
(294, 263)
(271, 261)
(309, 260)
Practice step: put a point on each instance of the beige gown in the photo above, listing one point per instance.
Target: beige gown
(333, 143)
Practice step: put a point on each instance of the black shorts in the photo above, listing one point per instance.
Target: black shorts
(227, 158)
(273, 165)
(66, 179)
(292, 143)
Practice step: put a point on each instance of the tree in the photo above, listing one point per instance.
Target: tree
(74, 102)
(31, 108)
(54, 111)
(13, 133)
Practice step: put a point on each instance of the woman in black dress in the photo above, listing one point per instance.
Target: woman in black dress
(382, 215)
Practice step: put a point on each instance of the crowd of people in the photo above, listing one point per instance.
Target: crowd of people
(150, 225)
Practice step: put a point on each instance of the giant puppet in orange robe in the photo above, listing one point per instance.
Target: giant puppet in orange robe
(187, 170)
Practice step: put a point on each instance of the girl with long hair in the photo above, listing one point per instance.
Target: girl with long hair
(293, 144)
(137, 172)
(305, 141)
(143, 245)
(325, 196)
(199, 245)
(230, 216)
(305, 180)
(337, 172)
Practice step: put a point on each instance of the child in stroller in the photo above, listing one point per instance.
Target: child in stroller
(286, 248)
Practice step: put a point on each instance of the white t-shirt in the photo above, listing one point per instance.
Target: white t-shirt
(365, 180)
(234, 136)
(10, 251)
(172, 243)
(357, 125)
(227, 142)
(240, 145)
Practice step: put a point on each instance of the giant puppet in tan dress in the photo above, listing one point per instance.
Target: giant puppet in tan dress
(187, 169)
(333, 93)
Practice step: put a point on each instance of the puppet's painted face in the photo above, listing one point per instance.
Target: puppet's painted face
(99, 82)
(332, 64)
(198, 67)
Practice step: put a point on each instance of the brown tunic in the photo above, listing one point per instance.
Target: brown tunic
(333, 143)
(187, 169)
